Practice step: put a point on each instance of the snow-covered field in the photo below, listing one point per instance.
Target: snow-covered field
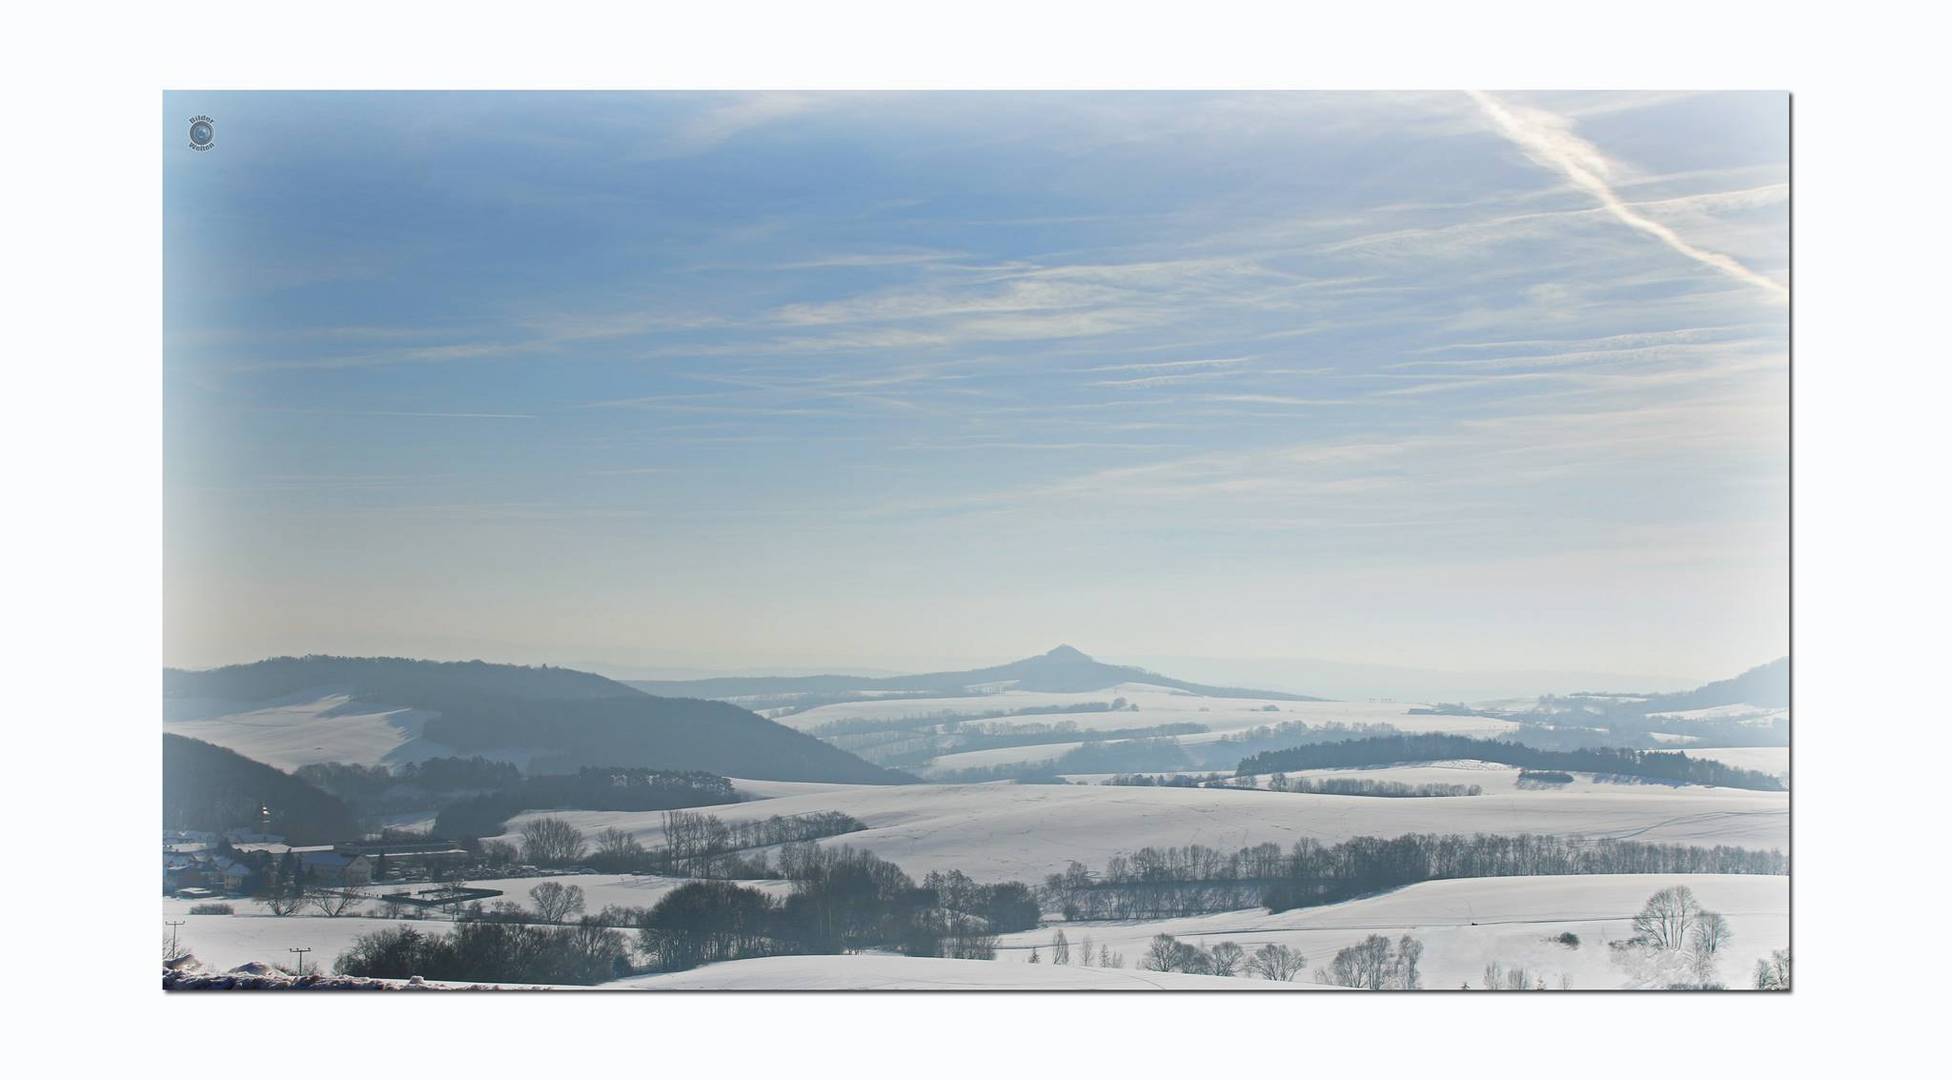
(1748, 714)
(222, 942)
(307, 731)
(1467, 924)
(996, 832)
(1156, 705)
(1494, 778)
(887, 972)
(1773, 760)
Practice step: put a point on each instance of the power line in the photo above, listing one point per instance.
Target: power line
(301, 957)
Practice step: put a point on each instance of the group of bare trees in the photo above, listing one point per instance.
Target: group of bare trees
(296, 897)
(1499, 977)
(695, 844)
(1772, 972)
(1376, 963)
(1277, 963)
(1381, 789)
(1083, 955)
(1677, 944)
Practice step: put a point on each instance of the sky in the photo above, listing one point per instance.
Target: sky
(660, 381)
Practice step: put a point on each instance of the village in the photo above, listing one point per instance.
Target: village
(243, 864)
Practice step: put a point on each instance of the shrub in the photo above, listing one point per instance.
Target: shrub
(212, 909)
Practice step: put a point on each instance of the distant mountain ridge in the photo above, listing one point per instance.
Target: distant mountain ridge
(1062, 670)
(1766, 685)
(559, 718)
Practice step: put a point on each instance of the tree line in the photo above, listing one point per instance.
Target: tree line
(591, 788)
(1330, 785)
(695, 844)
(1157, 882)
(1668, 766)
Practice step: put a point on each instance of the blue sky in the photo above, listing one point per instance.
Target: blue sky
(899, 380)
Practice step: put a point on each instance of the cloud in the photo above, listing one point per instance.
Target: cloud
(716, 126)
(1548, 140)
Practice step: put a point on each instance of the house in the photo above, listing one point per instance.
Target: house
(406, 857)
(186, 873)
(234, 876)
(329, 867)
(182, 872)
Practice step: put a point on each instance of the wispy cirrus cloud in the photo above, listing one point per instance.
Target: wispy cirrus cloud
(1549, 140)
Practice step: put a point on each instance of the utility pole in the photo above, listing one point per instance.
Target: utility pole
(301, 957)
(173, 951)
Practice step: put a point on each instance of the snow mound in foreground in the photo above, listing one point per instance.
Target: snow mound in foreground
(867, 971)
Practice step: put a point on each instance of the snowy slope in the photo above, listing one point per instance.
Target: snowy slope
(1467, 924)
(309, 731)
(1773, 760)
(997, 832)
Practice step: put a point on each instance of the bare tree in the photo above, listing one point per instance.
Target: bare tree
(554, 903)
(1403, 973)
(1773, 973)
(332, 904)
(551, 841)
(284, 898)
(1668, 915)
(1084, 952)
(1705, 944)
(1163, 955)
(1227, 958)
(1497, 977)
(616, 844)
(1060, 949)
(1277, 963)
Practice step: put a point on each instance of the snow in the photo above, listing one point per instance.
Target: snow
(1773, 760)
(420, 821)
(1492, 777)
(1758, 714)
(309, 730)
(778, 789)
(996, 832)
(222, 942)
(869, 971)
(1156, 705)
(1469, 923)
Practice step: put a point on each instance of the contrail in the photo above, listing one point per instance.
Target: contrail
(1547, 140)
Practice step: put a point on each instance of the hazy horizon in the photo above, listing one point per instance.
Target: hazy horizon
(1334, 679)
(1425, 382)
